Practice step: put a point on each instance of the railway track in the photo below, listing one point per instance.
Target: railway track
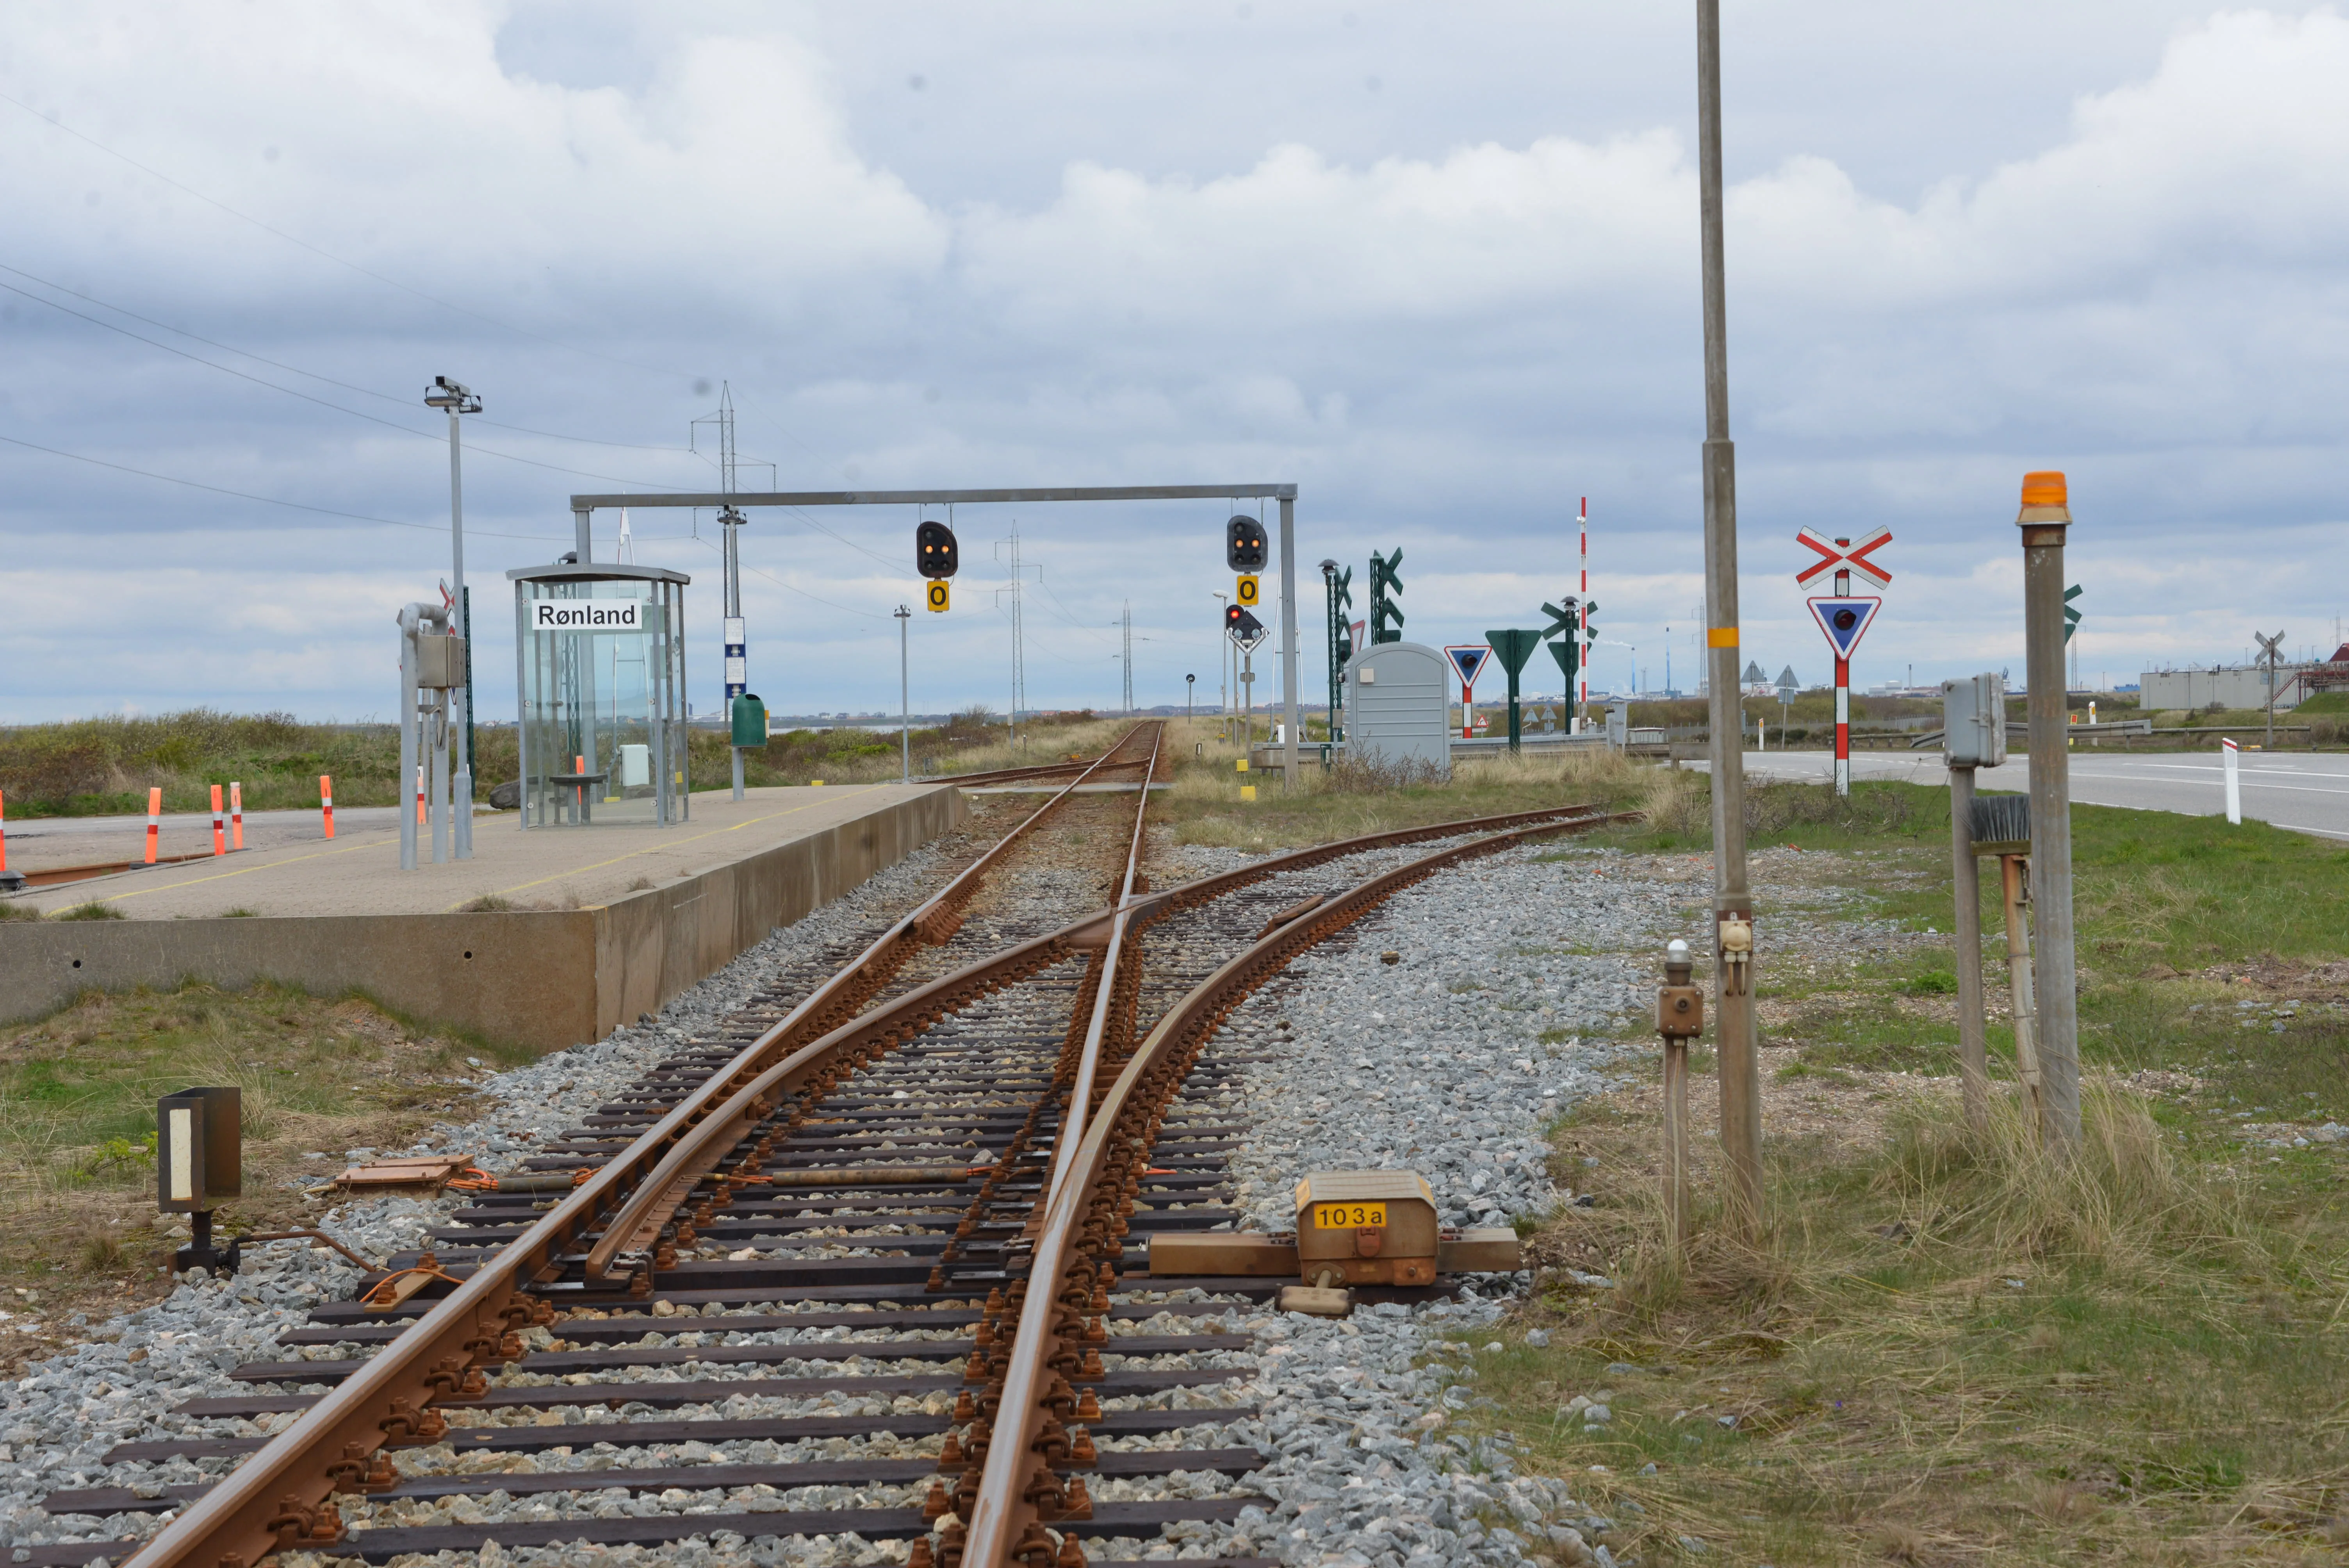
(863, 1265)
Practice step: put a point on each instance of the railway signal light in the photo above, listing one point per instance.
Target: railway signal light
(936, 555)
(1244, 544)
(1241, 627)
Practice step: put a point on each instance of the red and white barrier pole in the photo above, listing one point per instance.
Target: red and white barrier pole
(2234, 780)
(235, 816)
(1843, 727)
(220, 835)
(420, 794)
(154, 821)
(326, 801)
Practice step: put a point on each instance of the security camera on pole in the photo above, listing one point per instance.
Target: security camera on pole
(1844, 620)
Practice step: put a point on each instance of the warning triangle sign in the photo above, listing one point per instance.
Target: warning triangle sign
(1469, 661)
(1845, 621)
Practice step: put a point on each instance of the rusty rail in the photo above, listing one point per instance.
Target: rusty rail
(1017, 1493)
(282, 1497)
(829, 1005)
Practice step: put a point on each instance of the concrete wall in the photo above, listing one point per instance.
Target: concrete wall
(547, 978)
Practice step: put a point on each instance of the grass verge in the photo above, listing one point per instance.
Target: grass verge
(78, 1229)
(1947, 1349)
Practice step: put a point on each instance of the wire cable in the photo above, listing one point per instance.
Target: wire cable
(55, 124)
(265, 500)
(313, 397)
(313, 375)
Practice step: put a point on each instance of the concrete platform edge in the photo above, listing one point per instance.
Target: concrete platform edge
(545, 979)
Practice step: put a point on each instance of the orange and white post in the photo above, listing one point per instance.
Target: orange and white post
(154, 821)
(326, 801)
(220, 837)
(235, 816)
(420, 794)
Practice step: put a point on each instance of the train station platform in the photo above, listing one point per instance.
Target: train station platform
(549, 937)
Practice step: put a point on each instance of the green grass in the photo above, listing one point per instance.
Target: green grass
(2165, 1380)
(77, 1094)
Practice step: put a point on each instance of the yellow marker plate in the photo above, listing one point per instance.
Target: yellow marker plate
(1246, 594)
(935, 595)
(1348, 1216)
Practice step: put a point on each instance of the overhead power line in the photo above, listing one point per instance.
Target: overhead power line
(55, 124)
(248, 495)
(392, 399)
(313, 397)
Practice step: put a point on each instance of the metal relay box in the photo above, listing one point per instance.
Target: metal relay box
(1366, 1227)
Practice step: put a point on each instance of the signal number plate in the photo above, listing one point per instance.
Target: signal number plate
(1347, 1216)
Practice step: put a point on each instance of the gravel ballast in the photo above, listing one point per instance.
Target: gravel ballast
(1437, 1063)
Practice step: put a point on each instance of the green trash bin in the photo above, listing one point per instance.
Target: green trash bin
(749, 721)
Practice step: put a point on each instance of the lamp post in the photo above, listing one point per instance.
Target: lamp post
(1190, 686)
(457, 399)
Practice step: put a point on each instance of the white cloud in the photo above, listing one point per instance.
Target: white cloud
(1445, 339)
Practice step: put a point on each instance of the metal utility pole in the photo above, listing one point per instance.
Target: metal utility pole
(1190, 686)
(1126, 658)
(458, 399)
(1019, 631)
(905, 695)
(1733, 903)
(738, 651)
(2045, 519)
(1223, 667)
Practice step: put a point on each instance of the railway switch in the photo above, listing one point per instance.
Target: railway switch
(1376, 1229)
(199, 1160)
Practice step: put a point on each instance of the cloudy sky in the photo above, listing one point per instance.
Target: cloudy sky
(1436, 265)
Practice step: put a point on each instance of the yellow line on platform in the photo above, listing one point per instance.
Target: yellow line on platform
(241, 872)
(654, 849)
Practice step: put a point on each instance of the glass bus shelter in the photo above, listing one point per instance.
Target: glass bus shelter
(600, 665)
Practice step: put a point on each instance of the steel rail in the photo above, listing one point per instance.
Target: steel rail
(1080, 1095)
(931, 923)
(1017, 1494)
(281, 1498)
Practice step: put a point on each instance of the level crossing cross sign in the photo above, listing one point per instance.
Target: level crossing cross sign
(1843, 555)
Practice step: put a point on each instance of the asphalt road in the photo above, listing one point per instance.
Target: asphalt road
(2307, 792)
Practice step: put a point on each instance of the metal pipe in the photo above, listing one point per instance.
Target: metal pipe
(1288, 639)
(1973, 1048)
(2043, 520)
(1737, 1038)
(461, 697)
(2014, 877)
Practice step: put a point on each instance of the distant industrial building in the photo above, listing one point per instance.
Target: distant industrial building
(2242, 686)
